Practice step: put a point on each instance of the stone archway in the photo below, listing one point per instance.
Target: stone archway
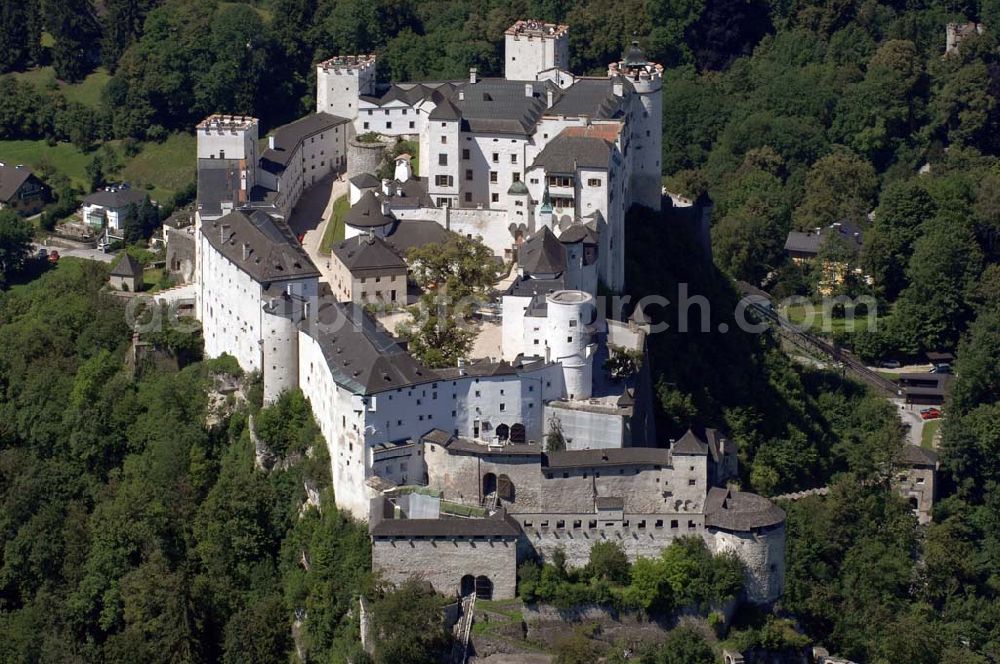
(518, 434)
(489, 484)
(484, 587)
(505, 488)
(503, 432)
(468, 585)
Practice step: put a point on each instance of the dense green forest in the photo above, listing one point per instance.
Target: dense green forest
(134, 524)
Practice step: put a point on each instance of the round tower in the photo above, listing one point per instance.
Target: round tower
(569, 339)
(282, 313)
(646, 127)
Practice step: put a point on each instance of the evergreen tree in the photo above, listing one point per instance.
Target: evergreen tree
(74, 27)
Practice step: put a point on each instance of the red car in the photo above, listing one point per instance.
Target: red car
(930, 414)
(53, 256)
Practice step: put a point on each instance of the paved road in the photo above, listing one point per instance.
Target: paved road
(86, 254)
(311, 216)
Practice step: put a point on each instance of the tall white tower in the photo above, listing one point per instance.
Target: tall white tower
(340, 81)
(568, 337)
(231, 137)
(647, 130)
(282, 314)
(531, 47)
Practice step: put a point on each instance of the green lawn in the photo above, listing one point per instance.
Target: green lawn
(930, 429)
(39, 155)
(798, 313)
(167, 167)
(335, 228)
(88, 91)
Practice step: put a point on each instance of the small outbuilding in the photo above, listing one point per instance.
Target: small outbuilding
(126, 274)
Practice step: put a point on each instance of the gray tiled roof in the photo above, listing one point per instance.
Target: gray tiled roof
(410, 233)
(218, 183)
(564, 154)
(542, 253)
(286, 137)
(590, 96)
(579, 233)
(115, 199)
(811, 242)
(365, 181)
(361, 355)
(367, 213)
(915, 455)
(495, 526)
(620, 456)
(126, 266)
(11, 179)
(260, 245)
(740, 511)
(524, 287)
(690, 443)
(368, 252)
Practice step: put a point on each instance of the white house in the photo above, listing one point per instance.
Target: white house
(110, 206)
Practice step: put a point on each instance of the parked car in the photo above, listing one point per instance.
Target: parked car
(930, 414)
(53, 256)
(941, 369)
(43, 253)
(890, 364)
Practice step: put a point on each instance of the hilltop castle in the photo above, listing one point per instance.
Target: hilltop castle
(542, 165)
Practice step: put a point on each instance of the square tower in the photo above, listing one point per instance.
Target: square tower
(341, 80)
(231, 139)
(531, 47)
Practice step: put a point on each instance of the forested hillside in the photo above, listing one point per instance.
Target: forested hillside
(134, 525)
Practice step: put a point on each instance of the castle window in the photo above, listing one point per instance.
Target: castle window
(370, 111)
(692, 482)
(386, 111)
(561, 524)
(577, 524)
(366, 125)
(468, 197)
(493, 176)
(465, 153)
(411, 124)
(468, 174)
(442, 159)
(658, 524)
(495, 198)
(516, 176)
(545, 524)
(496, 157)
(594, 182)
(527, 524)
(592, 524)
(513, 158)
(565, 475)
(641, 525)
(444, 140)
(673, 523)
(388, 125)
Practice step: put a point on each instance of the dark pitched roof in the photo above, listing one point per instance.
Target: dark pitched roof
(914, 455)
(361, 355)
(11, 179)
(527, 287)
(286, 137)
(620, 456)
(811, 242)
(260, 245)
(445, 110)
(498, 106)
(740, 511)
(410, 233)
(115, 199)
(542, 253)
(367, 213)
(564, 154)
(126, 266)
(365, 181)
(368, 252)
(690, 443)
(218, 183)
(495, 526)
(518, 188)
(590, 96)
(579, 233)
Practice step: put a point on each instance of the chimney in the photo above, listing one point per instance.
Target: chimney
(473, 75)
(461, 95)
(385, 207)
(270, 141)
(387, 187)
(548, 99)
(246, 251)
(617, 86)
(529, 90)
